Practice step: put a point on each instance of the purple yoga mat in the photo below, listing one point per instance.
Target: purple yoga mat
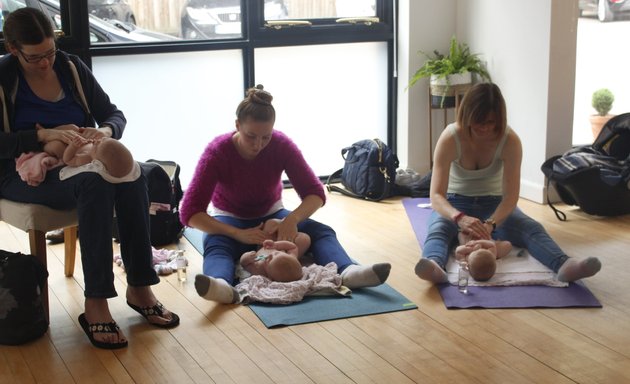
(529, 296)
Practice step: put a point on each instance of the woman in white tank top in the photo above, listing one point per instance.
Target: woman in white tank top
(475, 187)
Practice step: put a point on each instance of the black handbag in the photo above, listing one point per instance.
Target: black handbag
(22, 314)
(369, 171)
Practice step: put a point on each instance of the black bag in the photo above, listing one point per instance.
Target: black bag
(596, 177)
(369, 171)
(165, 192)
(22, 314)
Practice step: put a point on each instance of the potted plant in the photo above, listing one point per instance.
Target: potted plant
(447, 72)
(602, 102)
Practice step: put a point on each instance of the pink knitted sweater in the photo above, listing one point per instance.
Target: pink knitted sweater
(247, 188)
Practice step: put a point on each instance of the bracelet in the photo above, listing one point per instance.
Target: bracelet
(457, 217)
(491, 222)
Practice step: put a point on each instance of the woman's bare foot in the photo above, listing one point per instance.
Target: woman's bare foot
(97, 312)
(143, 301)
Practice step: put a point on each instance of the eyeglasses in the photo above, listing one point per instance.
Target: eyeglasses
(34, 59)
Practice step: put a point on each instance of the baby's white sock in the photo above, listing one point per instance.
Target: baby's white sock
(427, 269)
(360, 276)
(573, 269)
(217, 290)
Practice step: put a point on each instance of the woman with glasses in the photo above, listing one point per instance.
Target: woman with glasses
(47, 95)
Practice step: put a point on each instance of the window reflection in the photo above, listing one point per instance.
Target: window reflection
(318, 9)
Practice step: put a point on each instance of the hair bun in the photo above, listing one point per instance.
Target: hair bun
(258, 95)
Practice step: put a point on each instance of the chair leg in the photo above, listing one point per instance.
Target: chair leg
(70, 249)
(37, 240)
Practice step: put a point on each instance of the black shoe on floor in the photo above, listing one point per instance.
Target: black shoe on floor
(55, 237)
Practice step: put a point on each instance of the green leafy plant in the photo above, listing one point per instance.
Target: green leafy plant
(458, 60)
(602, 101)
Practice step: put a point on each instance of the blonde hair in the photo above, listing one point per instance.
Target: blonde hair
(481, 100)
(256, 105)
(115, 157)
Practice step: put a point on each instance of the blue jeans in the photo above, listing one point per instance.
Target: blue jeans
(521, 230)
(96, 200)
(221, 253)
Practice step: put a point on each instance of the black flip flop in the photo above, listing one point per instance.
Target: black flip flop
(91, 329)
(156, 310)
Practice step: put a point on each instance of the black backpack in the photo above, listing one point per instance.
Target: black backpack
(369, 171)
(165, 192)
(22, 314)
(595, 177)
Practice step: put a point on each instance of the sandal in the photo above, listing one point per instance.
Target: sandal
(91, 329)
(156, 310)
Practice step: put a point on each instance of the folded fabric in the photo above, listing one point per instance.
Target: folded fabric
(163, 261)
(516, 268)
(316, 280)
(98, 167)
(32, 166)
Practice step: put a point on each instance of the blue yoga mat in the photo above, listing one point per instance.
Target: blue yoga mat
(530, 296)
(365, 301)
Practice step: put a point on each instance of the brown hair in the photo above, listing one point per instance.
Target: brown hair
(26, 26)
(482, 264)
(478, 103)
(256, 105)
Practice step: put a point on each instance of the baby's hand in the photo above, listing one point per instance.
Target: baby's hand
(78, 141)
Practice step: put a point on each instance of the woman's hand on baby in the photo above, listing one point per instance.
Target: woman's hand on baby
(287, 230)
(65, 133)
(254, 235)
(474, 228)
(90, 133)
(79, 141)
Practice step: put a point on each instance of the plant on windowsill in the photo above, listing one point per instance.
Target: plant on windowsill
(450, 73)
(602, 101)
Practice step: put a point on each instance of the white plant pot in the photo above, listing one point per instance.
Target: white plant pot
(447, 86)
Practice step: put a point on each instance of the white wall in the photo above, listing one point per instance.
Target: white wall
(530, 52)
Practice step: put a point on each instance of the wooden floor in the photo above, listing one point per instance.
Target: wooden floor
(228, 344)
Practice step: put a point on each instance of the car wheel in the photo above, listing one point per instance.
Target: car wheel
(603, 11)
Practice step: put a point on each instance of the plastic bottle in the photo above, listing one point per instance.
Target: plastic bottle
(462, 277)
(180, 261)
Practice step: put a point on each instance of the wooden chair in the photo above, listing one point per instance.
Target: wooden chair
(37, 220)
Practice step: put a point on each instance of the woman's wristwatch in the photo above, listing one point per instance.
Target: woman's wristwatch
(492, 222)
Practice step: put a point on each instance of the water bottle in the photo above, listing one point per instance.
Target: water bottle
(180, 261)
(462, 277)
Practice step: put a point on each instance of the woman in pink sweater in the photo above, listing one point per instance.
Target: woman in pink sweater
(240, 173)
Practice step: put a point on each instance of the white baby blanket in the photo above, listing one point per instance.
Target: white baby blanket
(516, 268)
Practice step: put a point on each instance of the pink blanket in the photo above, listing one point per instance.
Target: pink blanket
(316, 279)
(32, 166)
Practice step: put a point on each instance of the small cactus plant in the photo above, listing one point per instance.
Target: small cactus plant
(602, 101)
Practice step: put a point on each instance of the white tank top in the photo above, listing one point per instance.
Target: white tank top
(478, 182)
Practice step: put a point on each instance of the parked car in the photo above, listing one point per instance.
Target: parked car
(221, 19)
(607, 10)
(112, 10)
(101, 31)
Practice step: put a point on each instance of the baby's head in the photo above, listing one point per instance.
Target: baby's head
(284, 268)
(482, 264)
(114, 156)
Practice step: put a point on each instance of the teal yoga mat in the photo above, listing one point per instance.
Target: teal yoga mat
(362, 302)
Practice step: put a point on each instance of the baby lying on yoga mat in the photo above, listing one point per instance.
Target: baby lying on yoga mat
(277, 260)
(481, 255)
